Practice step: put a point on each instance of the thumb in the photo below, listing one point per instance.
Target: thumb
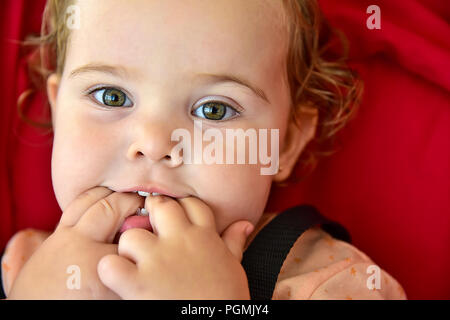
(236, 235)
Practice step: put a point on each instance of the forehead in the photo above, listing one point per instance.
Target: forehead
(164, 37)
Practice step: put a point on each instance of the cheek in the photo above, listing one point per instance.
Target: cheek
(237, 192)
(77, 159)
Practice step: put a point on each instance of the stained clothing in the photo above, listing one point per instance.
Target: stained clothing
(300, 254)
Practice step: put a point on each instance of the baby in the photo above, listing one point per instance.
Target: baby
(122, 77)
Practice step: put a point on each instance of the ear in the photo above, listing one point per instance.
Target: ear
(53, 82)
(297, 137)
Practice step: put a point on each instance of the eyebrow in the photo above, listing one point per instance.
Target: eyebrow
(121, 72)
(117, 71)
(233, 78)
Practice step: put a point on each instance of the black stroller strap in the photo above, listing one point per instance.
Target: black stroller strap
(264, 257)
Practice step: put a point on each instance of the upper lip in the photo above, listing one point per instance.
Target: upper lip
(153, 188)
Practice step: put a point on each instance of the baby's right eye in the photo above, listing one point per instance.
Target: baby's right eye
(111, 97)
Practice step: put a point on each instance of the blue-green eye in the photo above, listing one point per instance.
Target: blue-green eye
(215, 110)
(112, 97)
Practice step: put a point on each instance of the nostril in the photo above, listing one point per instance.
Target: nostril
(167, 157)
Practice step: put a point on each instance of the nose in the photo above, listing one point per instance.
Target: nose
(153, 143)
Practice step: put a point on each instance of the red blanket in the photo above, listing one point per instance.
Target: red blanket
(389, 183)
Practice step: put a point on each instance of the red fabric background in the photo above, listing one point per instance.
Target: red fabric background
(388, 184)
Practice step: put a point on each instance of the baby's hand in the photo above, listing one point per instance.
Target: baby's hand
(84, 235)
(18, 250)
(185, 258)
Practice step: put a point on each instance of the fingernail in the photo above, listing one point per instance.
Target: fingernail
(163, 198)
(159, 198)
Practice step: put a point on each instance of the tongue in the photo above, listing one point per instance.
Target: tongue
(135, 221)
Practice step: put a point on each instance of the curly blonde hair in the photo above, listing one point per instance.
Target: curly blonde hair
(316, 78)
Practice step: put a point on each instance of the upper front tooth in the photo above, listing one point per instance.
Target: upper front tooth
(146, 194)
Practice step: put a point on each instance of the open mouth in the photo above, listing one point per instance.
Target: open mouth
(139, 220)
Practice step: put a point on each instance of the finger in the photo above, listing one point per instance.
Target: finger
(118, 274)
(102, 221)
(198, 212)
(166, 215)
(135, 244)
(81, 204)
(235, 236)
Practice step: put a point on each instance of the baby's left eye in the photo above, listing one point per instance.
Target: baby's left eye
(215, 110)
(112, 97)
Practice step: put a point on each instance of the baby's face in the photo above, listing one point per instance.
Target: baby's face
(155, 57)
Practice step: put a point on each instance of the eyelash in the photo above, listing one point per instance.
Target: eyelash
(96, 90)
